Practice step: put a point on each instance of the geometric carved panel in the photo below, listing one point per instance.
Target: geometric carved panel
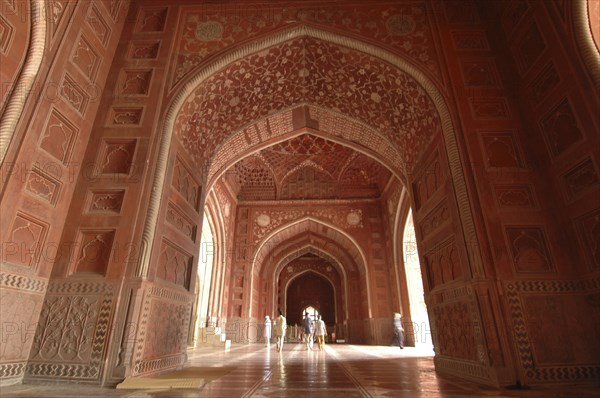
(500, 150)
(109, 201)
(581, 178)
(429, 182)
(589, 230)
(152, 19)
(434, 220)
(443, 263)
(185, 184)
(474, 40)
(86, 58)
(455, 330)
(118, 156)
(74, 94)
(95, 250)
(99, 27)
(514, 196)
(537, 306)
(529, 49)
(543, 85)
(144, 49)
(480, 73)
(529, 249)
(174, 265)
(43, 186)
(6, 33)
(561, 128)
(489, 108)
(122, 116)
(59, 136)
(25, 240)
(543, 312)
(136, 82)
(182, 223)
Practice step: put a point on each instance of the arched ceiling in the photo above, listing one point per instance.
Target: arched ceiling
(306, 70)
(285, 240)
(307, 167)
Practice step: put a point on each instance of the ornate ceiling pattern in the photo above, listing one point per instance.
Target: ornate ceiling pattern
(307, 70)
(307, 167)
(211, 29)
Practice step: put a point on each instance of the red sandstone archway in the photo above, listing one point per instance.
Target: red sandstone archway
(288, 241)
(310, 289)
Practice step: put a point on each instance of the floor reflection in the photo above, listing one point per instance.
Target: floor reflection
(339, 371)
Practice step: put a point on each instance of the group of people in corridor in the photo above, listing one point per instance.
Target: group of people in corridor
(315, 328)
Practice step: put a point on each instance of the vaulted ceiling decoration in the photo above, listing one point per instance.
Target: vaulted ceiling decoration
(307, 71)
(307, 167)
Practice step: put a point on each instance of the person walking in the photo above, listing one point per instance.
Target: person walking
(280, 327)
(398, 330)
(309, 329)
(320, 332)
(267, 331)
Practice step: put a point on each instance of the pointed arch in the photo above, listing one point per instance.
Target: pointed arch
(430, 89)
(359, 256)
(309, 248)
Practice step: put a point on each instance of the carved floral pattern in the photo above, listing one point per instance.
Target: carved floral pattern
(302, 71)
(205, 32)
(278, 218)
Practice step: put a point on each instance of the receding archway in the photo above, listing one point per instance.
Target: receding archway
(310, 289)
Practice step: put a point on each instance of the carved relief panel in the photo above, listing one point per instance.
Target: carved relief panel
(135, 82)
(429, 182)
(443, 263)
(500, 150)
(72, 331)
(455, 331)
(125, 116)
(529, 249)
(43, 186)
(74, 94)
(589, 231)
(186, 184)
(117, 156)
(174, 265)
(59, 136)
(561, 128)
(152, 19)
(98, 25)
(25, 241)
(85, 58)
(94, 251)
(105, 201)
(581, 179)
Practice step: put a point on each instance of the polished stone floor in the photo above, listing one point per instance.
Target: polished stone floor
(346, 371)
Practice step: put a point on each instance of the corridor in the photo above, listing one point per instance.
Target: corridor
(340, 371)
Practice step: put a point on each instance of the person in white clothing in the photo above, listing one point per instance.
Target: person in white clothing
(280, 327)
(320, 332)
(267, 331)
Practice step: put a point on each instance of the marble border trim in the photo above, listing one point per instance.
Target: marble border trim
(23, 283)
(12, 370)
(523, 342)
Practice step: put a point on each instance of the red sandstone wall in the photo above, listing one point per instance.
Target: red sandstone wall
(47, 155)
